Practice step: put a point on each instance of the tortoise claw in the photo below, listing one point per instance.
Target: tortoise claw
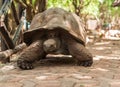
(25, 65)
(85, 63)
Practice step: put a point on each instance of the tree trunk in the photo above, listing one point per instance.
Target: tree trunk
(7, 53)
(3, 45)
(116, 3)
(40, 5)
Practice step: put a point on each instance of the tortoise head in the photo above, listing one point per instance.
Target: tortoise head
(52, 43)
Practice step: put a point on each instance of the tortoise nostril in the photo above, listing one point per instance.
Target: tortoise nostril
(50, 45)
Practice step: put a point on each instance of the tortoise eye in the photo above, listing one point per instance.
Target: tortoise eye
(52, 35)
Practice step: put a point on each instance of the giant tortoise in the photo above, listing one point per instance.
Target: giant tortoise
(55, 31)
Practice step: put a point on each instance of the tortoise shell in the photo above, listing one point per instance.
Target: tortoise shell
(56, 18)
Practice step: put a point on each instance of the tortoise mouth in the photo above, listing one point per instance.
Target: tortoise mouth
(51, 45)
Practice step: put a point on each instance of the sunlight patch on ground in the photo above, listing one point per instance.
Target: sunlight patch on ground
(41, 77)
(100, 69)
(102, 43)
(97, 57)
(78, 76)
(102, 48)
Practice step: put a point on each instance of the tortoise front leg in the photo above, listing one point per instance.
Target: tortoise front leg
(30, 54)
(78, 51)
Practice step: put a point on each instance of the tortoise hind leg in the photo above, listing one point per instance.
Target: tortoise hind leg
(30, 54)
(78, 51)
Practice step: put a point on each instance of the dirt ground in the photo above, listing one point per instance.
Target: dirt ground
(62, 72)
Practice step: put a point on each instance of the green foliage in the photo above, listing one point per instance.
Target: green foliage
(109, 9)
(93, 8)
(65, 4)
(33, 1)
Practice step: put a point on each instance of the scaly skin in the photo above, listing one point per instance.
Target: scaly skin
(78, 51)
(30, 54)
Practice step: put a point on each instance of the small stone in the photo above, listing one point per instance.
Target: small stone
(41, 77)
(78, 76)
